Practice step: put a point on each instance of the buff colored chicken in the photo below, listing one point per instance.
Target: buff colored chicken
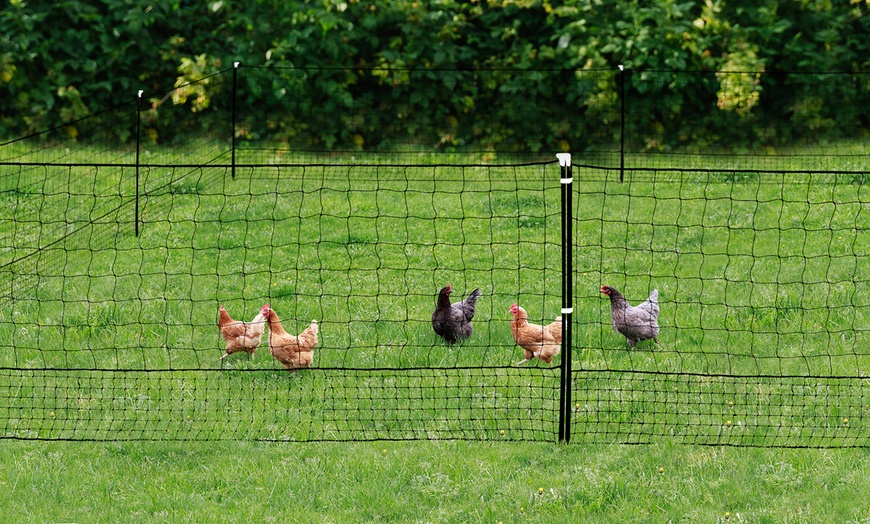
(291, 350)
(537, 341)
(240, 336)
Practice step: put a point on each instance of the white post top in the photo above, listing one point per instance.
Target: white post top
(564, 159)
(236, 65)
(140, 93)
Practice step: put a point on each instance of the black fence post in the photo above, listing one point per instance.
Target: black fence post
(622, 123)
(233, 131)
(567, 296)
(138, 128)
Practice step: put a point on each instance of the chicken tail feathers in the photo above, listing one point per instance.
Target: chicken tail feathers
(651, 304)
(469, 305)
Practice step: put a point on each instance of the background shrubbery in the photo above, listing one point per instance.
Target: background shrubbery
(60, 61)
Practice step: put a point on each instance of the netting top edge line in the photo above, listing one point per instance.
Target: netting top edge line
(435, 166)
(276, 166)
(720, 170)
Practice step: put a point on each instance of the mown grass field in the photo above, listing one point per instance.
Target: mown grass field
(110, 336)
(447, 482)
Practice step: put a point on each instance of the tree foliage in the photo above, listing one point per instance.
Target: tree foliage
(61, 60)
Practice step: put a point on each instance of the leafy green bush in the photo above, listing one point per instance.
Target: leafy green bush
(373, 71)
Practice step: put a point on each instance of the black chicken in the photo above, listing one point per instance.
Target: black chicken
(453, 321)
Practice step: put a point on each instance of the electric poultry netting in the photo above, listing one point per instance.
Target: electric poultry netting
(111, 335)
(762, 280)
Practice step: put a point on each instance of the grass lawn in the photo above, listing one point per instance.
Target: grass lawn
(439, 482)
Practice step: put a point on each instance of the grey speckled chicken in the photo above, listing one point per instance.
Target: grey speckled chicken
(453, 321)
(636, 323)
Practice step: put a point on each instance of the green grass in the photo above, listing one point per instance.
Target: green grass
(443, 482)
(763, 283)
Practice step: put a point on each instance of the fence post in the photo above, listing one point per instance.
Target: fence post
(567, 296)
(622, 123)
(233, 131)
(138, 127)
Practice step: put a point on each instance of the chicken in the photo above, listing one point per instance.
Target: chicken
(293, 351)
(453, 321)
(537, 341)
(636, 323)
(240, 336)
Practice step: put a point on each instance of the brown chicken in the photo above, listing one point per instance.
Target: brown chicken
(635, 323)
(293, 351)
(542, 342)
(240, 336)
